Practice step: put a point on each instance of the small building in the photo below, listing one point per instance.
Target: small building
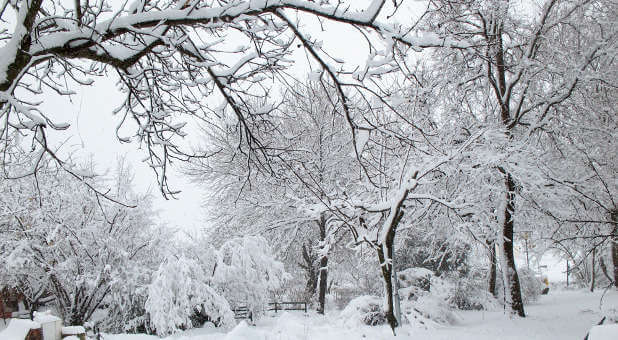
(51, 325)
(12, 304)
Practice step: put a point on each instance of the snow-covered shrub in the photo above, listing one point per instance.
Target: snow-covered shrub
(181, 288)
(437, 253)
(64, 241)
(358, 275)
(420, 304)
(363, 310)
(247, 272)
(205, 283)
(531, 286)
(463, 292)
(413, 282)
(424, 310)
(427, 309)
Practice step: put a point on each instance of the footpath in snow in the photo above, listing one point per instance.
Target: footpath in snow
(561, 315)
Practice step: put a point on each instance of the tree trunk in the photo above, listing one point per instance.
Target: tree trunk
(323, 283)
(517, 305)
(385, 256)
(388, 283)
(614, 217)
(604, 269)
(323, 270)
(492, 267)
(592, 273)
(496, 52)
(309, 266)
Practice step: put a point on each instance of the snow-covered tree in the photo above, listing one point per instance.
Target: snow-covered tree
(247, 273)
(180, 288)
(197, 282)
(287, 200)
(511, 76)
(176, 61)
(61, 240)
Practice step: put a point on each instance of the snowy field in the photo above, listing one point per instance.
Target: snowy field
(561, 315)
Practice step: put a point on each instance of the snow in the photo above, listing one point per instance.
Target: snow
(73, 330)
(604, 332)
(561, 315)
(18, 329)
(45, 317)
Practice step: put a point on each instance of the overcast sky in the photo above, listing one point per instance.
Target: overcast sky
(92, 133)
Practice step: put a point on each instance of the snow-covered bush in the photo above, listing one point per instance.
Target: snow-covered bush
(247, 272)
(420, 304)
(413, 282)
(427, 309)
(531, 286)
(363, 310)
(181, 287)
(463, 292)
(202, 285)
(358, 275)
(62, 239)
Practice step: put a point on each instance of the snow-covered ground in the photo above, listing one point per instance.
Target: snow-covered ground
(560, 315)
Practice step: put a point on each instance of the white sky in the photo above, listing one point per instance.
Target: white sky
(92, 134)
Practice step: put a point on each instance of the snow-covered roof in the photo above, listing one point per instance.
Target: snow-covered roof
(73, 330)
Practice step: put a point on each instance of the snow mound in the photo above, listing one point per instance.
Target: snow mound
(429, 310)
(363, 310)
(18, 329)
(603, 332)
(242, 331)
(414, 282)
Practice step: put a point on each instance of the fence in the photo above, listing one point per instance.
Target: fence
(243, 312)
(295, 305)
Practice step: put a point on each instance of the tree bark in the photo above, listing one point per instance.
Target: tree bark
(517, 305)
(592, 273)
(323, 284)
(308, 264)
(385, 256)
(388, 284)
(323, 270)
(492, 267)
(614, 218)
